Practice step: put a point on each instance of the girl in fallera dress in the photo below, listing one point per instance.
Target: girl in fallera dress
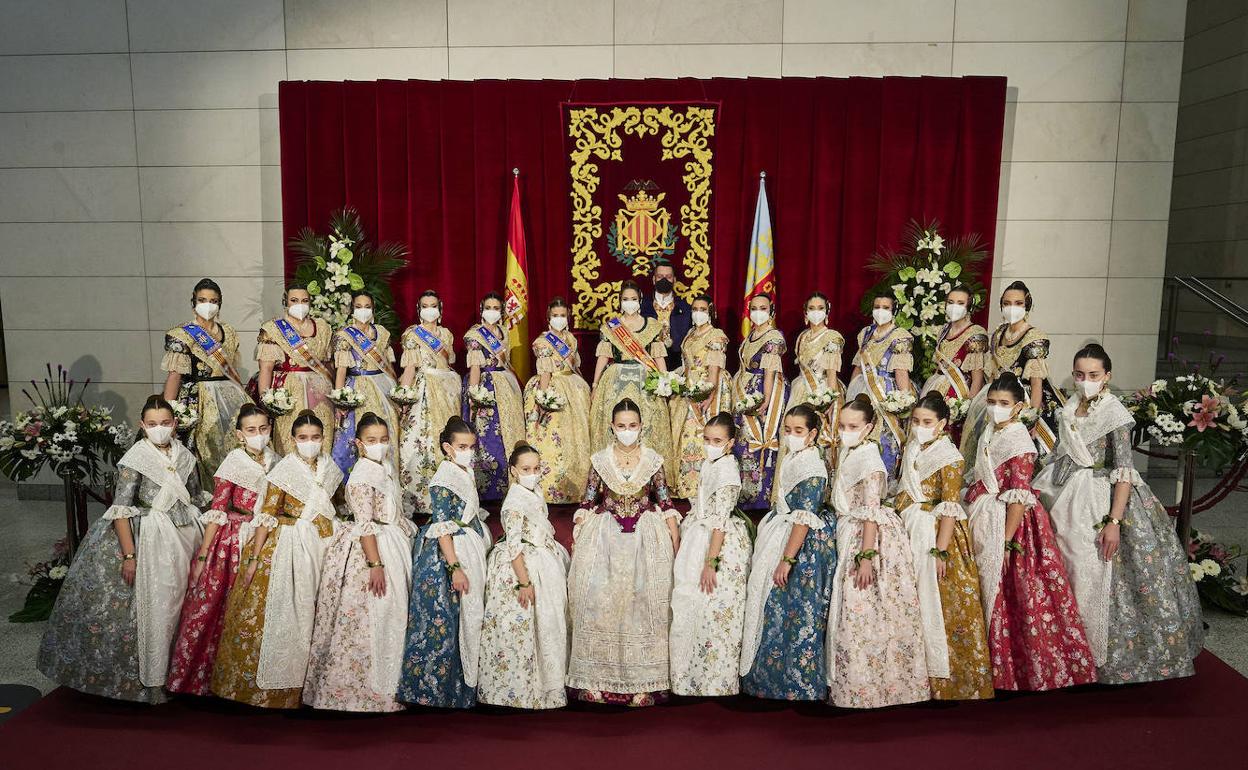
(499, 424)
(760, 376)
(561, 437)
(524, 638)
(263, 655)
(363, 360)
(783, 652)
(703, 356)
(629, 348)
(240, 485)
(708, 590)
(447, 604)
(961, 348)
(1130, 576)
(1035, 634)
(293, 351)
(115, 618)
(818, 356)
(361, 608)
(625, 535)
(930, 504)
(200, 361)
(875, 629)
(428, 353)
(882, 365)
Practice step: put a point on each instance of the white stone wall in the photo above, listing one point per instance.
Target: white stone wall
(139, 151)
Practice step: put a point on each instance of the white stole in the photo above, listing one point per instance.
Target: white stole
(988, 512)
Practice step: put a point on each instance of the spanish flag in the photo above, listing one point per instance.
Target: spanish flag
(760, 276)
(516, 293)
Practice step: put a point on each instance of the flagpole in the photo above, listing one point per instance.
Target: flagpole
(516, 293)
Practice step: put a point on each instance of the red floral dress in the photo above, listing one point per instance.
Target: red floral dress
(1036, 636)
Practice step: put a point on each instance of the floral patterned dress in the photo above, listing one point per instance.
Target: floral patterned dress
(875, 634)
(1140, 609)
(440, 656)
(1027, 357)
(562, 437)
(500, 425)
(706, 628)
(431, 352)
(620, 583)
(954, 633)
(1035, 634)
(818, 355)
(704, 347)
(878, 360)
(783, 647)
(105, 637)
(524, 650)
(303, 371)
(958, 355)
(362, 354)
(758, 442)
(357, 638)
(240, 483)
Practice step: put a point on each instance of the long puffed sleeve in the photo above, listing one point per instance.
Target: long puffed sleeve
(772, 359)
(475, 354)
(830, 357)
(363, 500)
(343, 357)
(866, 499)
(1015, 480)
(950, 504)
(1037, 353)
(125, 495)
(717, 350)
(548, 362)
(658, 349)
(447, 509)
(721, 505)
(267, 349)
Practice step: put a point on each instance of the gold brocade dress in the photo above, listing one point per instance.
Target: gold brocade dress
(1027, 357)
(437, 386)
(703, 348)
(562, 437)
(818, 354)
(309, 389)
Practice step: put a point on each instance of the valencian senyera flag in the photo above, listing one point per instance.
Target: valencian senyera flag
(516, 293)
(760, 275)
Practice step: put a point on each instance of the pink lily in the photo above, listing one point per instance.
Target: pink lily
(1205, 414)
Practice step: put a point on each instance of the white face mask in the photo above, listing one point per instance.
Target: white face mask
(700, 317)
(881, 316)
(299, 310)
(308, 449)
(376, 452)
(207, 310)
(816, 317)
(529, 480)
(257, 442)
(159, 434)
(491, 316)
(1013, 313)
(923, 433)
(627, 437)
(999, 414)
(1091, 387)
(463, 457)
(850, 438)
(795, 443)
(630, 306)
(713, 452)
(430, 314)
(759, 317)
(955, 312)
(558, 322)
(362, 314)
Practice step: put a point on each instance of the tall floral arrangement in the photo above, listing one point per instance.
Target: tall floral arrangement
(918, 275)
(337, 264)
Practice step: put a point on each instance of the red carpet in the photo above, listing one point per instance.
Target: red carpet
(1162, 725)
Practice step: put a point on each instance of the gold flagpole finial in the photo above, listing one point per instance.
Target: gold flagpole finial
(515, 172)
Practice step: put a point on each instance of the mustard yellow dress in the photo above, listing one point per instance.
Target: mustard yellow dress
(622, 379)
(562, 437)
(703, 348)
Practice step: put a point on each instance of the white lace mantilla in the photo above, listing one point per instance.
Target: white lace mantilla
(853, 466)
(380, 477)
(242, 470)
(168, 471)
(314, 489)
(631, 485)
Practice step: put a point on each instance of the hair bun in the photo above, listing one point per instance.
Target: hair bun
(521, 444)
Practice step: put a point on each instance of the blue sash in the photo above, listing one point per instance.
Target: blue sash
(559, 345)
(367, 347)
(212, 351)
(297, 343)
(493, 343)
(202, 338)
(292, 336)
(428, 337)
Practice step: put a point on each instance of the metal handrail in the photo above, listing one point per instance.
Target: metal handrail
(1206, 293)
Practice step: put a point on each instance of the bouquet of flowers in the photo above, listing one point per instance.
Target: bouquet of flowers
(1212, 567)
(550, 400)
(897, 401)
(346, 397)
(45, 579)
(957, 408)
(663, 384)
(822, 397)
(748, 403)
(1029, 416)
(404, 395)
(481, 396)
(698, 390)
(918, 276)
(59, 430)
(185, 415)
(278, 401)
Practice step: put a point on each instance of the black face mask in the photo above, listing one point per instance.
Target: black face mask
(663, 286)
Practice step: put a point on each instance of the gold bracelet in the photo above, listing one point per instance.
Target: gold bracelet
(374, 564)
(128, 557)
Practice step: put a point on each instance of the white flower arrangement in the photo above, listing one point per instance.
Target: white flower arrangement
(346, 397)
(822, 397)
(957, 407)
(58, 572)
(663, 384)
(748, 403)
(186, 415)
(278, 401)
(404, 395)
(897, 401)
(1029, 416)
(698, 390)
(550, 400)
(480, 396)
(1210, 568)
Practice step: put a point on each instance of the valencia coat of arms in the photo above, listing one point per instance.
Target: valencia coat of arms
(643, 234)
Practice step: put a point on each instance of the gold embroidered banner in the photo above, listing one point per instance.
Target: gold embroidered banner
(641, 196)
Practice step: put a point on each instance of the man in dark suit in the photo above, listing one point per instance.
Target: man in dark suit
(670, 310)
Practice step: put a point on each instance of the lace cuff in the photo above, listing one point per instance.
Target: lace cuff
(866, 513)
(716, 358)
(669, 513)
(343, 359)
(771, 362)
(807, 518)
(115, 512)
(366, 528)
(1036, 367)
(1129, 475)
(264, 520)
(949, 510)
(268, 351)
(901, 362)
(1024, 496)
(972, 361)
(439, 528)
(176, 362)
(213, 516)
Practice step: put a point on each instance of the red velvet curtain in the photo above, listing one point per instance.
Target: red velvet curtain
(849, 161)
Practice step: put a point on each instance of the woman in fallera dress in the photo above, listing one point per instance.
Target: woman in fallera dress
(1130, 575)
(761, 376)
(961, 348)
(783, 654)
(708, 590)
(524, 638)
(703, 355)
(620, 583)
(263, 655)
(447, 607)
(930, 504)
(428, 353)
(1035, 634)
(875, 630)
(200, 361)
(361, 608)
(499, 424)
(818, 356)
(882, 365)
(363, 360)
(239, 486)
(293, 350)
(561, 437)
(114, 621)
